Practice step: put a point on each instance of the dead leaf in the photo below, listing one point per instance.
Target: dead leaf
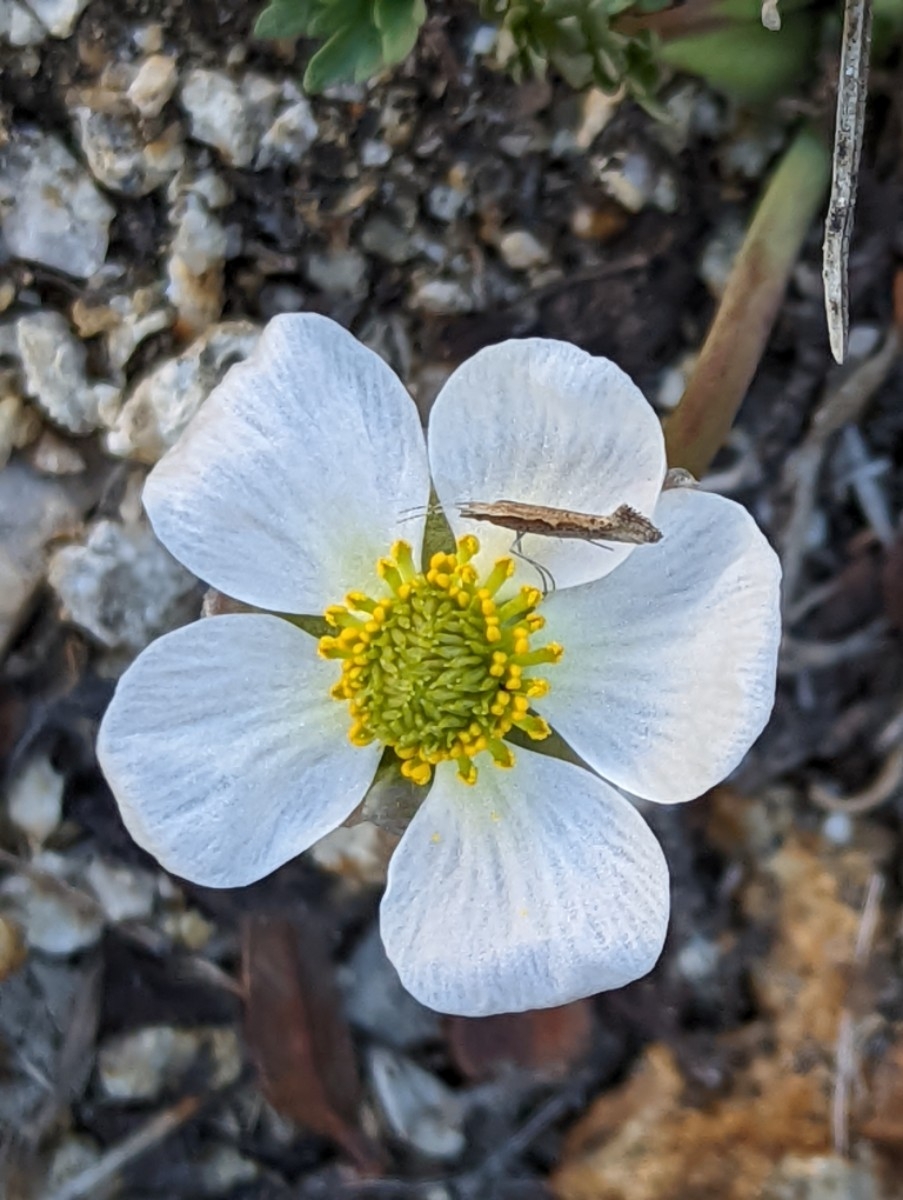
(297, 1033)
(549, 1041)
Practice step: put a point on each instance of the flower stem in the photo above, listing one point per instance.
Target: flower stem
(748, 309)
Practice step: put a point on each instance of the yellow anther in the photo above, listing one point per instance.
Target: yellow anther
(401, 552)
(500, 573)
(417, 771)
(534, 727)
(467, 772)
(501, 753)
(537, 687)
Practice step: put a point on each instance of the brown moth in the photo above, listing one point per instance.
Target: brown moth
(625, 524)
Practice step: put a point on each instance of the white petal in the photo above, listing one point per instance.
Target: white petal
(225, 753)
(668, 674)
(542, 422)
(533, 888)
(296, 474)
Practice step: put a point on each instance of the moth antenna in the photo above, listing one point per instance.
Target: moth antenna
(420, 510)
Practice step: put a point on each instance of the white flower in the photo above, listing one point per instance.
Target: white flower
(226, 746)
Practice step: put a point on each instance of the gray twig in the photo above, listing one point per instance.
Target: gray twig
(852, 89)
(160, 1126)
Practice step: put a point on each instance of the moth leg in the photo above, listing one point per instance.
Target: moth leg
(598, 545)
(546, 578)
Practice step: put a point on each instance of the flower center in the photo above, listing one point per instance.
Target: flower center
(438, 669)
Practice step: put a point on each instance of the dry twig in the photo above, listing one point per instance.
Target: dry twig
(839, 406)
(852, 89)
(160, 1126)
(882, 787)
(845, 1056)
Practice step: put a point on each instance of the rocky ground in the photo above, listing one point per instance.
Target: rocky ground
(165, 188)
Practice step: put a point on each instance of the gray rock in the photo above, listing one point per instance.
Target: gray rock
(222, 1169)
(444, 202)
(375, 153)
(58, 16)
(340, 273)
(57, 920)
(34, 801)
(53, 362)
(631, 178)
(19, 423)
(122, 586)
(195, 264)
(217, 115)
(376, 1002)
(50, 210)
(162, 404)
(212, 189)
(749, 149)
(153, 85)
(33, 510)
(228, 116)
(19, 26)
(51, 455)
(289, 137)
(124, 893)
(142, 1064)
(442, 296)
(420, 1110)
(118, 155)
(137, 315)
(382, 237)
(720, 251)
(521, 250)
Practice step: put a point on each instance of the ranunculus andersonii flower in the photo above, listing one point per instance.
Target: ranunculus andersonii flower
(233, 744)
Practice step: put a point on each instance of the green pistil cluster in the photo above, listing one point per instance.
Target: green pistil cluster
(438, 669)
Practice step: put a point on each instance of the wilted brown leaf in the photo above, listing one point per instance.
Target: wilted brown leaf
(549, 1041)
(297, 1033)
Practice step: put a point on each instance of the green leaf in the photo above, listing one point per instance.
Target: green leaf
(334, 15)
(398, 22)
(351, 55)
(748, 62)
(286, 19)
